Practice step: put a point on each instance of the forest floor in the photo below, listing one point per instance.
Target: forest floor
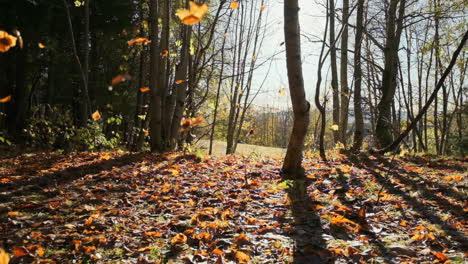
(118, 207)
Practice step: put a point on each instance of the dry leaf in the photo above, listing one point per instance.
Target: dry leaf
(5, 99)
(120, 78)
(178, 239)
(96, 116)
(41, 46)
(144, 89)
(138, 41)
(7, 41)
(192, 15)
(4, 257)
(234, 5)
(241, 257)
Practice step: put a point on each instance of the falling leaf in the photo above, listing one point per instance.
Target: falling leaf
(146, 132)
(79, 3)
(282, 91)
(138, 41)
(178, 239)
(191, 122)
(7, 41)
(263, 7)
(96, 115)
(120, 78)
(4, 257)
(165, 53)
(335, 127)
(192, 15)
(41, 46)
(5, 99)
(144, 89)
(179, 81)
(234, 5)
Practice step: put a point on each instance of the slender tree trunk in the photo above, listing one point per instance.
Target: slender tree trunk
(292, 166)
(439, 85)
(359, 131)
(334, 72)
(345, 93)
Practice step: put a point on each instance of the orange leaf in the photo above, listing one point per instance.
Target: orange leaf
(242, 238)
(218, 252)
(39, 251)
(41, 46)
(15, 213)
(19, 252)
(439, 255)
(89, 250)
(5, 99)
(165, 53)
(120, 78)
(241, 257)
(178, 239)
(263, 7)
(179, 81)
(153, 234)
(96, 116)
(4, 257)
(144, 89)
(204, 236)
(138, 41)
(234, 5)
(192, 15)
(6, 41)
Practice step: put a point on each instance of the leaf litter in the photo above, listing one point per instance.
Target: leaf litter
(118, 207)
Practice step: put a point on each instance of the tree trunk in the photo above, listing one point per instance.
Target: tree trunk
(359, 130)
(393, 32)
(292, 166)
(344, 75)
(334, 72)
(433, 96)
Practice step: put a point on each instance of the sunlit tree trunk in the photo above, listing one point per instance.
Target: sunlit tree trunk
(359, 127)
(292, 166)
(334, 71)
(343, 127)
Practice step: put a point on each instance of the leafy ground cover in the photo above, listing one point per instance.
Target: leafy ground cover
(117, 207)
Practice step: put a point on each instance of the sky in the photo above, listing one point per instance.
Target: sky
(312, 22)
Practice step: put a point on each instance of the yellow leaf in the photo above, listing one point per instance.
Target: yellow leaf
(4, 257)
(153, 234)
(192, 15)
(263, 7)
(5, 99)
(178, 239)
(41, 46)
(96, 116)
(335, 127)
(234, 5)
(282, 91)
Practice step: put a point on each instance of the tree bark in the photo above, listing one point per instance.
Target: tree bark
(343, 127)
(334, 72)
(292, 166)
(359, 130)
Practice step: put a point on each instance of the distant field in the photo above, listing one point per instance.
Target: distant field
(219, 149)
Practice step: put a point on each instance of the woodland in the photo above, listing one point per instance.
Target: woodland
(159, 131)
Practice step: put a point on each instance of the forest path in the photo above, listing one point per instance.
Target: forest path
(118, 207)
